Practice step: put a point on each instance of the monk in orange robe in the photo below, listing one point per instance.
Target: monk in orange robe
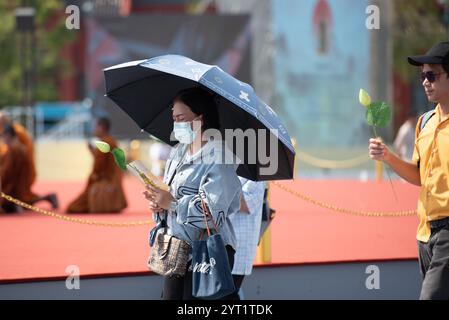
(15, 173)
(104, 190)
(24, 137)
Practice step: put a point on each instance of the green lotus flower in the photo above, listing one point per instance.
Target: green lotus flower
(103, 146)
(119, 154)
(364, 98)
(120, 158)
(378, 114)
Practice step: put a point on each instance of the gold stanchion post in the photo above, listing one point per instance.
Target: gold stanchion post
(379, 170)
(264, 248)
(295, 163)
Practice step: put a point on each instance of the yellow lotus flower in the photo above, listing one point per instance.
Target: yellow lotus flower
(103, 146)
(364, 98)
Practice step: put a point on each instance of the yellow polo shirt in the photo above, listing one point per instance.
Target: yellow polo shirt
(432, 151)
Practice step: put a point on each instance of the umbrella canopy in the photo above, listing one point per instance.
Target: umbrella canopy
(145, 89)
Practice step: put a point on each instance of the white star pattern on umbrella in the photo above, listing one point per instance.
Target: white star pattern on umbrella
(218, 80)
(164, 61)
(271, 110)
(244, 96)
(197, 73)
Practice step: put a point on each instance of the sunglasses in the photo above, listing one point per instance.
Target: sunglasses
(430, 76)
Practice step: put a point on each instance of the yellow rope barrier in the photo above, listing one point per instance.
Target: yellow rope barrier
(149, 222)
(331, 164)
(345, 210)
(76, 220)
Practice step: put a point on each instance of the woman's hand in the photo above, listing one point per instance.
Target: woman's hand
(159, 199)
(152, 206)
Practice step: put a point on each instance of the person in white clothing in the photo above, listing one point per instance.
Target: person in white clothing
(246, 224)
(405, 139)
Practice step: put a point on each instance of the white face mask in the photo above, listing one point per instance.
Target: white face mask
(183, 132)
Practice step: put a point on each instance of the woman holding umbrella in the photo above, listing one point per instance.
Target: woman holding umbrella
(143, 89)
(192, 180)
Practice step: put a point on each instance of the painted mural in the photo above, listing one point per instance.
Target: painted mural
(322, 59)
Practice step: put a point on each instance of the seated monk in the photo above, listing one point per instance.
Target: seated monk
(24, 138)
(15, 174)
(104, 191)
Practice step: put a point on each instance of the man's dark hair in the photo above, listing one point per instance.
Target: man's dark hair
(201, 102)
(105, 123)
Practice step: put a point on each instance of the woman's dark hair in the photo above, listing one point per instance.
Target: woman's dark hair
(201, 102)
(446, 69)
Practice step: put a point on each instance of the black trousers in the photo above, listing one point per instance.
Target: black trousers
(434, 262)
(238, 280)
(181, 288)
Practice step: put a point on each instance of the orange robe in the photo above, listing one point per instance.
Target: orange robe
(104, 190)
(24, 138)
(15, 174)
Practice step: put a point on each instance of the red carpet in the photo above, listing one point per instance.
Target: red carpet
(34, 246)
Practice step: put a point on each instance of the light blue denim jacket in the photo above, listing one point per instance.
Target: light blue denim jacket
(205, 175)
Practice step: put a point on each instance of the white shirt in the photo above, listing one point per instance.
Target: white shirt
(247, 226)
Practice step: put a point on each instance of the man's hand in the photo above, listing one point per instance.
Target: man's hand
(406, 170)
(378, 150)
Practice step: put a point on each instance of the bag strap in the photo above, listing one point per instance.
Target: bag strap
(173, 176)
(207, 215)
(425, 118)
(177, 167)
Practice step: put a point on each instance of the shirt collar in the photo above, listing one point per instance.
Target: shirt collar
(439, 114)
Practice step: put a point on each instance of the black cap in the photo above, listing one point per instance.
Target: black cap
(438, 54)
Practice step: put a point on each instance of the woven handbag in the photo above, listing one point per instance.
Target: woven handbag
(169, 255)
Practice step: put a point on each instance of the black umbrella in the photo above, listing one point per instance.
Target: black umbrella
(144, 90)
